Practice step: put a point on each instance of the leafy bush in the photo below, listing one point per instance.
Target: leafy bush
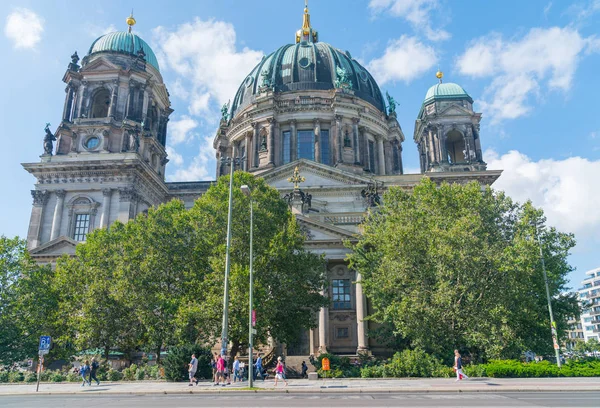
(129, 373)
(153, 372)
(57, 377)
(140, 374)
(176, 362)
(114, 375)
(517, 369)
(45, 375)
(15, 376)
(343, 364)
(3, 376)
(30, 377)
(374, 371)
(73, 377)
(408, 363)
(333, 373)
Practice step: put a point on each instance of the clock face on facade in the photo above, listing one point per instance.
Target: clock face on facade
(92, 143)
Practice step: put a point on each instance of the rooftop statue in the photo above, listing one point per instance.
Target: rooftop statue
(391, 103)
(225, 112)
(48, 139)
(266, 78)
(342, 78)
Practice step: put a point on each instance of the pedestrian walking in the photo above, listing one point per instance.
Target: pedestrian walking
(221, 370)
(93, 368)
(84, 371)
(259, 367)
(236, 370)
(458, 366)
(213, 363)
(192, 368)
(304, 370)
(280, 372)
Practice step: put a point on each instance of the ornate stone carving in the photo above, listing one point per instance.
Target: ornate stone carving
(48, 139)
(40, 197)
(60, 193)
(127, 194)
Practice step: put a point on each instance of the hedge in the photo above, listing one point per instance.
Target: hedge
(515, 369)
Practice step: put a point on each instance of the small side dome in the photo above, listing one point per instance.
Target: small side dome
(446, 90)
(124, 43)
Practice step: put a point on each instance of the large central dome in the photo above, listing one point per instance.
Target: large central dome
(307, 65)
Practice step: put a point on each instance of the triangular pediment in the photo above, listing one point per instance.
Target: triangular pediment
(316, 175)
(55, 248)
(100, 65)
(319, 231)
(455, 110)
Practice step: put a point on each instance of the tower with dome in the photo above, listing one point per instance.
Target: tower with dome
(309, 119)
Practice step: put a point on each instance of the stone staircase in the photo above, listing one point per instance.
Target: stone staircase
(293, 365)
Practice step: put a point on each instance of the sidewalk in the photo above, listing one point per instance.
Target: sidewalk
(321, 386)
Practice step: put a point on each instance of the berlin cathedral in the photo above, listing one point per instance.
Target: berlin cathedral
(307, 109)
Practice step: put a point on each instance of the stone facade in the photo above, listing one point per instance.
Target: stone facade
(109, 163)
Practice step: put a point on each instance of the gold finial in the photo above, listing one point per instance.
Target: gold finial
(130, 20)
(439, 75)
(306, 21)
(296, 178)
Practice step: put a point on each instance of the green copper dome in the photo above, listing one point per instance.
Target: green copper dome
(124, 43)
(307, 65)
(447, 90)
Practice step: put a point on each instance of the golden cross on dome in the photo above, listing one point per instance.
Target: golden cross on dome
(296, 178)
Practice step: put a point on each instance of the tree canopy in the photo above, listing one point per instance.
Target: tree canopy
(455, 266)
(157, 281)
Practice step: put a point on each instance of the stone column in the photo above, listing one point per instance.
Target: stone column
(84, 100)
(40, 198)
(255, 144)
(356, 143)
(381, 156)
(126, 204)
(430, 147)
(271, 140)
(400, 164)
(339, 141)
(367, 163)
(293, 141)
(248, 152)
(311, 341)
(317, 131)
(68, 103)
(106, 196)
(58, 210)
(441, 135)
(112, 109)
(363, 344)
(323, 317)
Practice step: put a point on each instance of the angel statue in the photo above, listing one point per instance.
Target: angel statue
(225, 111)
(391, 103)
(48, 139)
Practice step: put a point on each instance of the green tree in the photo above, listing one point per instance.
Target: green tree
(27, 302)
(456, 266)
(287, 278)
(94, 296)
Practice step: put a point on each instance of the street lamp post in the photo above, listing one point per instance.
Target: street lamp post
(231, 162)
(552, 324)
(248, 192)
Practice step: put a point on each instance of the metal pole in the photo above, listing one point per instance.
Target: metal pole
(552, 325)
(39, 370)
(250, 345)
(227, 261)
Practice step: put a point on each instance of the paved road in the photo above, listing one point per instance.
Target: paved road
(347, 400)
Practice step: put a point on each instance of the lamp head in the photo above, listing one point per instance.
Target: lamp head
(246, 190)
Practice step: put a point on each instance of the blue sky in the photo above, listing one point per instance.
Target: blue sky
(531, 66)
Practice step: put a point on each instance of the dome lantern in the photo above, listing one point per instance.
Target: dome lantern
(306, 34)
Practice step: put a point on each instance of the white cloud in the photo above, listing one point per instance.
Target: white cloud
(404, 59)
(96, 31)
(24, 28)
(417, 12)
(204, 54)
(547, 9)
(174, 157)
(567, 190)
(202, 165)
(544, 58)
(180, 130)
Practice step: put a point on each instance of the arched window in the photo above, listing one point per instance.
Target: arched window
(100, 104)
(455, 145)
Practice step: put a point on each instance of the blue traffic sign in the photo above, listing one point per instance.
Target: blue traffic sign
(45, 342)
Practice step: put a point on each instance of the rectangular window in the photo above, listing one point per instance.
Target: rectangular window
(82, 225)
(306, 144)
(372, 156)
(286, 147)
(342, 333)
(325, 147)
(341, 294)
